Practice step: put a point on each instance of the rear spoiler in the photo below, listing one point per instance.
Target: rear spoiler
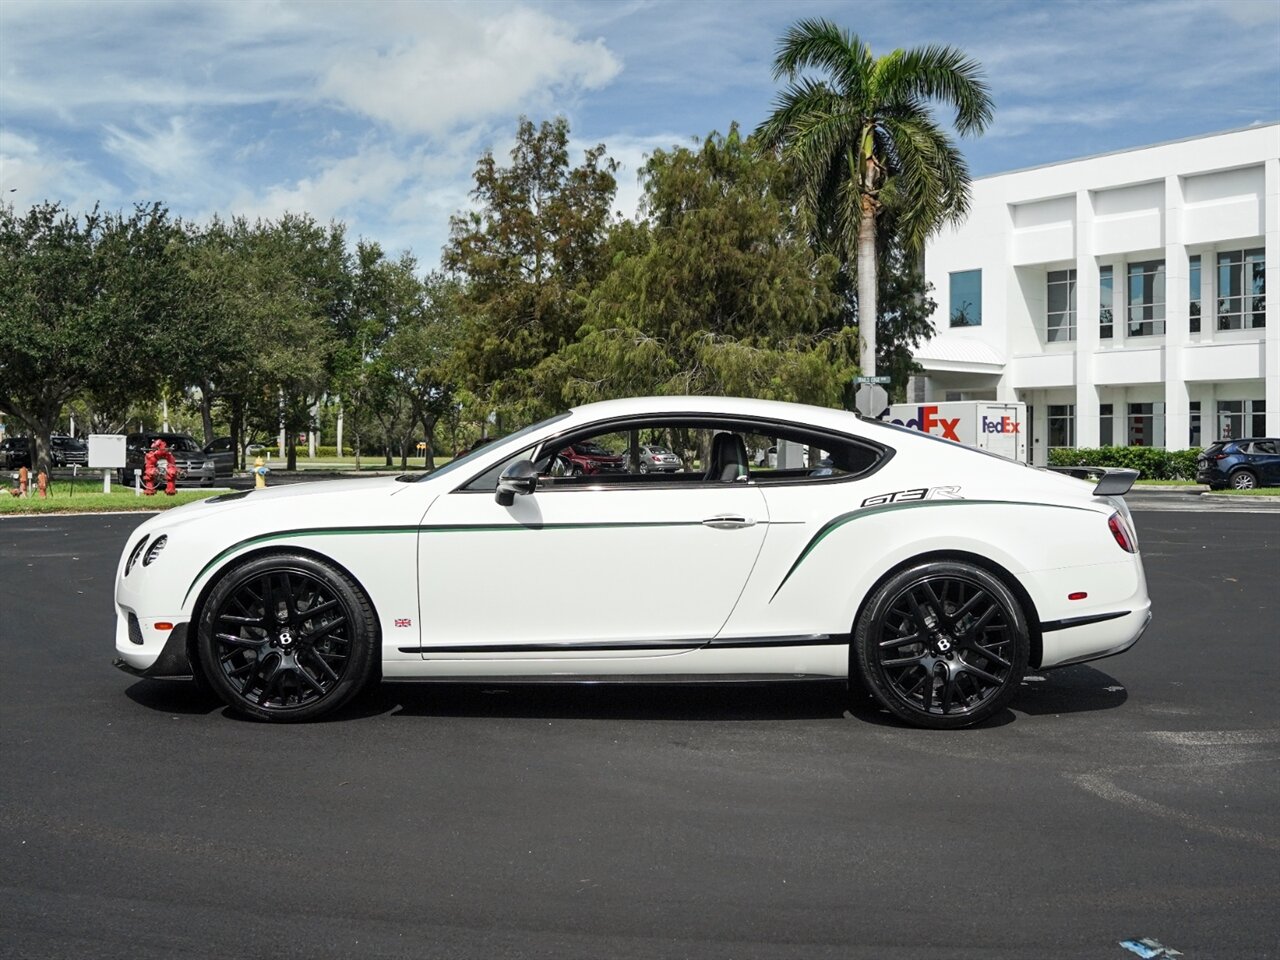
(1112, 481)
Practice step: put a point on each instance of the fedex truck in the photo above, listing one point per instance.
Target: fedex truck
(998, 427)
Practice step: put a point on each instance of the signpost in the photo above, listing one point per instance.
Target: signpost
(106, 453)
(871, 398)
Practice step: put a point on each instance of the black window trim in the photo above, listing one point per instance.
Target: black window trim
(884, 453)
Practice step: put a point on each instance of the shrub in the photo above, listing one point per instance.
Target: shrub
(1152, 463)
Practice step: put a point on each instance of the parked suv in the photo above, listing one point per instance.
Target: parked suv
(1240, 464)
(67, 451)
(16, 452)
(223, 454)
(585, 459)
(193, 465)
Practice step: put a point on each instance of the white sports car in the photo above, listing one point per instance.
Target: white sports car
(931, 573)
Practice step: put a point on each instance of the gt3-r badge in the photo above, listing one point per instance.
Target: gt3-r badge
(918, 493)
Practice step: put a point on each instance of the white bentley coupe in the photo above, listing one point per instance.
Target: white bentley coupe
(933, 574)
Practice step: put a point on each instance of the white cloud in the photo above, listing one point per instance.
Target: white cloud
(456, 69)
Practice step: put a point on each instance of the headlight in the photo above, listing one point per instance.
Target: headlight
(133, 557)
(156, 546)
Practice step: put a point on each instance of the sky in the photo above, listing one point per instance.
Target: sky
(375, 113)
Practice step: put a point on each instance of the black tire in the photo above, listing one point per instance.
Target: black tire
(575, 471)
(298, 638)
(942, 645)
(1244, 480)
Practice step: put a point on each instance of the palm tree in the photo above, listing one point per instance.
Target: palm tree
(864, 144)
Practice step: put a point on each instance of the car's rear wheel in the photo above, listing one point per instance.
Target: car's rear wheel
(1244, 480)
(943, 644)
(287, 638)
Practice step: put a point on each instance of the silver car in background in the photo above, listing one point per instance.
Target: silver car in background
(658, 459)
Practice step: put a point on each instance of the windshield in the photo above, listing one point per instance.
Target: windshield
(483, 449)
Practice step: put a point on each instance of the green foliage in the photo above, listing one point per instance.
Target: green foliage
(866, 150)
(1153, 463)
(528, 257)
(718, 292)
(88, 305)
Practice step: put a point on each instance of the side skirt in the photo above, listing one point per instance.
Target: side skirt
(671, 679)
(638, 646)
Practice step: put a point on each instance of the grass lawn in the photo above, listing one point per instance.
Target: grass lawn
(85, 495)
(1167, 483)
(1259, 492)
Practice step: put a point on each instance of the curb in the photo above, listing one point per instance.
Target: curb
(1236, 498)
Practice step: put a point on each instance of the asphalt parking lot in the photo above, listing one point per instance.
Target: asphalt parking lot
(1135, 797)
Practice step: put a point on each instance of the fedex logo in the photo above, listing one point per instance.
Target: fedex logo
(926, 419)
(1003, 425)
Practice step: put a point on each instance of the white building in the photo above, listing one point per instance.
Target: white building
(1122, 297)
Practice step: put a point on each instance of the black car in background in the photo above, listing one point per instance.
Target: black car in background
(64, 451)
(1244, 464)
(16, 452)
(193, 466)
(223, 455)
(68, 451)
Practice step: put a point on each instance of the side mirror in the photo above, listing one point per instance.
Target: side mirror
(519, 478)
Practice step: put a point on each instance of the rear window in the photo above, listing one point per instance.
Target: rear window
(1214, 448)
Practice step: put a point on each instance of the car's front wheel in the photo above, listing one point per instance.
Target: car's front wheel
(943, 644)
(1244, 480)
(287, 638)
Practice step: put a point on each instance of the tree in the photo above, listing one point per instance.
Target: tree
(527, 258)
(718, 291)
(863, 141)
(87, 305)
(297, 294)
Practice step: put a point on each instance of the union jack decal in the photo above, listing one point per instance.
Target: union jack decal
(404, 623)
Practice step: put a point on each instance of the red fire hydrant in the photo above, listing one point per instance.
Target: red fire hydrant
(160, 451)
(42, 482)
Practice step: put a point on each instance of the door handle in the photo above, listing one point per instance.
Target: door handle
(728, 521)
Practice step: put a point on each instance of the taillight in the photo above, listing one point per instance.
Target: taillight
(1120, 530)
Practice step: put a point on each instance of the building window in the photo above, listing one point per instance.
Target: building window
(1106, 428)
(1194, 319)
(1193, 436)
(1106, 291)
(1062, 425)
(1061, 316)
(1146, 299)
(966, 298)
(1241, 418)
(1146, 425)
(1242, 290)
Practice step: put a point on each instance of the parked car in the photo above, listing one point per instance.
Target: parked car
(223, 454)
(933, 574)
(658, 459)
(68, 451)
(589, 459)
(1240, 464)
(193, 466)
(17, 452)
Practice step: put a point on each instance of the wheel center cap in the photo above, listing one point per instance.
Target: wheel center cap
(286, 638)
(944, 644)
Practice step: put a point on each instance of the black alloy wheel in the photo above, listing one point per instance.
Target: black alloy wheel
(287, 638)
(1244, 480)
(943, 645)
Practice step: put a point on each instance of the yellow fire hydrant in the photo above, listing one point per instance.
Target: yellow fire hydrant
(260, 471)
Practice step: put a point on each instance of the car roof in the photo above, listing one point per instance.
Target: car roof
(800, 413)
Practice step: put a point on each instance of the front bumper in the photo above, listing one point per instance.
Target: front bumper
(170, 661)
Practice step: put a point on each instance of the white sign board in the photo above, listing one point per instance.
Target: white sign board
(106, 451)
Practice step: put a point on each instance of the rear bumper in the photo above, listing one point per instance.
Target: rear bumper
(1093, 639)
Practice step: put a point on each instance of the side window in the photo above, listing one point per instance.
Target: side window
(1265, 446)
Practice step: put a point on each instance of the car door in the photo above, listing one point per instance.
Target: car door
(1266, 457)
(625, 570)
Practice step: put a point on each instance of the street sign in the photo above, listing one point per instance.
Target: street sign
(871, 400)
(885, 381)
